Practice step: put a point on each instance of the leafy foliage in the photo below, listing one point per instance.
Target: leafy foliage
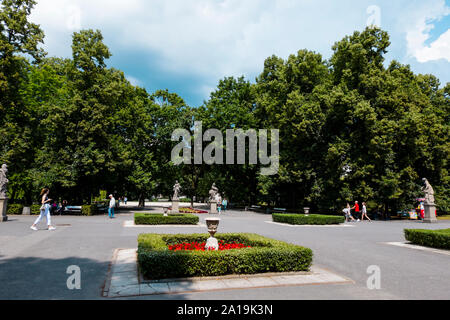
(351, 128)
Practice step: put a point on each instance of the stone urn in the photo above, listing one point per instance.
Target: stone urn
(212, 224)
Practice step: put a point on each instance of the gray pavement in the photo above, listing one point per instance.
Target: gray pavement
(33, 264)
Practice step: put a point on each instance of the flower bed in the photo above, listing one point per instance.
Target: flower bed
(439, 239)
(159, 218)
(191, 210)
(196, 246)
(312, 219)
(259, 255)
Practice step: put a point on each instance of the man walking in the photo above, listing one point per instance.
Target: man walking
(112, 204)
(357, 211)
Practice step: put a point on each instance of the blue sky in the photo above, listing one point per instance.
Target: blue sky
(187, 46)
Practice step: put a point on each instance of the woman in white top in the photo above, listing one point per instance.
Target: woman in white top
(364, 212)
(45, 211)
(348, 213)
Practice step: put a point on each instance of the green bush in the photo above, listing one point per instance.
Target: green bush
(35, 209)
(15, 209)
(301, 219)
(159, 218)
(439, 239)
(89, 210)
(156, 261)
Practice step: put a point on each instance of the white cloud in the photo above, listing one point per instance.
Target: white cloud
(214, 37)
(420, 32)
(134, 81)
(207, 40)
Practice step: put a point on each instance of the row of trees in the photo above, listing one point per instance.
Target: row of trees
(351, 127)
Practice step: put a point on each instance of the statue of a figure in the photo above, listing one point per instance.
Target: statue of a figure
(213, 192)
(429, 192)
(3, 181)
(176, 191)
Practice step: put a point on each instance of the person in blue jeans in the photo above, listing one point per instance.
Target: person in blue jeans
(224, 204)
(112, 204)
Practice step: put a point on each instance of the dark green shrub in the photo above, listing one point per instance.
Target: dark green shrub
(14, 209)
(89, 210)
(156, 261)
(159, 218)
(35, 209)
(312, 219)
(439, 239)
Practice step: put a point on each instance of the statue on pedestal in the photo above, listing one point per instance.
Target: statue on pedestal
(176, 191)
(3, 181)
(429, 192)
(213, 192)
(3, 196)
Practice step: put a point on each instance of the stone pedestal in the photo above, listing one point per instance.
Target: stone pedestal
(175, 206)
(3, 210)
(430, 213)
(213, 207)
(26, 211)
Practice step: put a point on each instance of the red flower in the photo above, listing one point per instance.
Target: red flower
(195, 246)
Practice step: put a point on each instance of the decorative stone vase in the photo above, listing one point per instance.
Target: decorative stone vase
(212, 224)
(306, 209)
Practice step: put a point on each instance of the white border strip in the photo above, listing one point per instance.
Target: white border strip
(412, 246)
(130, 224)
(312, 225)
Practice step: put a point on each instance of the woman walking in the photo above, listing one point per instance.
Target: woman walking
(45, 211)
(348, 213)
(364, 212)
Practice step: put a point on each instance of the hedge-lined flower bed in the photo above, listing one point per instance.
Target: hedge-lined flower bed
(191, 246)
(312, 219)
(156, 261)
(14, 209)
(439, 239)
(191, 210)
(159, 218)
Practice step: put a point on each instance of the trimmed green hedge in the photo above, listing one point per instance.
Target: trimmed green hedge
(159, 218)
(35, 209)
(156, 261)
(89, 210)
(439, 239)
(14, 209)
(301, 219)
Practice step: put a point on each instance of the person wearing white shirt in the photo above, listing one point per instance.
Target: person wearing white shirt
(364, 212)
(112, 205)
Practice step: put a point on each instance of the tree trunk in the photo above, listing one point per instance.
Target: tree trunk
(141, 200)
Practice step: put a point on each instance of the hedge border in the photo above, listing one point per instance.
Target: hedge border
(439, 239)
(302, 219)
(14, 209)
(156, 261)
(160, 219)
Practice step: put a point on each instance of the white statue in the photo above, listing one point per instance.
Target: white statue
(213, 192)
(176, 191)
(3, 181)
(429, 192)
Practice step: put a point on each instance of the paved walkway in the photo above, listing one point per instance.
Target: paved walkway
(33, 265)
